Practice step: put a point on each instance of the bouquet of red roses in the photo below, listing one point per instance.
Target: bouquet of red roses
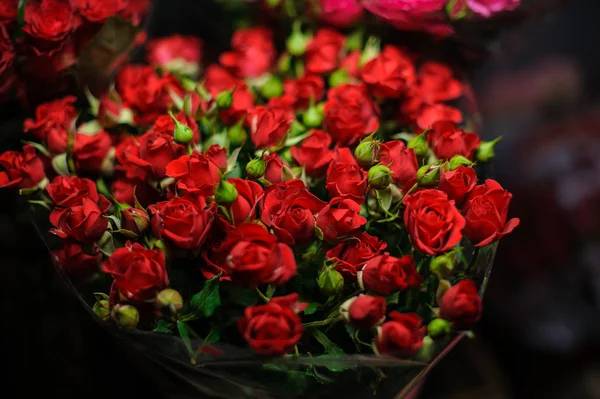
(296, 220)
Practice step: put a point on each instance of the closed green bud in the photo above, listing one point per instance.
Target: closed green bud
(225, 193)
(427, 351)
(485, 152)
(331, 282)
(297, 42)
(372, 50)
(459, 160)
(126, 316)
(102, 309)
(255, 169)
(338, 78)
(272, 87)
(183, 134)
(225, 99)
(169, 298)
(441, 266)
(419, 144)
(379, 177)
(367, 152)
(237, 135)
(428, 175)
(438, 327)
(313, 117)
(285, 63)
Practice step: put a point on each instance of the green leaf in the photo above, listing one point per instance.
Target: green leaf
(103, 188)
(185, 336)
(393, 299)
(291, 141)
(213, 336)
(318, 232)
(129, 234)
(41, 203)
(90, 128)
(295, 383)
(38, 147)
(329, 346)
(101, 296)
(384, 198)
(162, 327)
(243, 297)
(106, 244)
(232, 160)
(207, 300)
(312, 308)
(270, 290)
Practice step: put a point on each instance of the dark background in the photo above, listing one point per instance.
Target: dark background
(539, 88)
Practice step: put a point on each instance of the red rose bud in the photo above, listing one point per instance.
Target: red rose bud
(268, 126)
(313, 116)
(402, 336)
(21, 169)
(402, 161)
(461, 305)
(486, 210)
(386, 274)
(438, 327)
(345, 178)
(102, 309)
(428, 175)
(277, 170)
(389, 74)
(419, 144)
(225, 193)
(364, 311)
(273, 87)
(447, 141)
(237, 135)
(182, 134)
(340, 219)
(458, 161)
(314, 153)
(297, 42)
(441, 266)
(169, 298)
(255, 169)
(351, 255)
(458, 183)
(224, 99)
(134, 220)
(330, 282)
(367, 152)
(379, 177)
(270, 329)
(244, 207)
(217, 155)
(75, 262)
(184, 222)
(126, 316)
(432, 221)
(324, 51)
(195, 174)
(485, 152)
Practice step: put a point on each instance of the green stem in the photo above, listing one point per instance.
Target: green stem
(262, 296)
(322, 322)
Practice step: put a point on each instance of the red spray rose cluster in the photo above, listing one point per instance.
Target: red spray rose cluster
(268, 196)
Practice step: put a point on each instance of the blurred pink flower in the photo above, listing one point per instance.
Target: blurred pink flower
(486, 8)
(340, 13)
(420, 15)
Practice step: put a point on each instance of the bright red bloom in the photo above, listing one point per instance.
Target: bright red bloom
(458, 183)
(268, 126)
(195, 174)
(446, 141)
(53, 118)
(461, 305)
(402, 161)
(351, 255)
(84, 222)
(389, 74)
(402, 336)
(89, 152)
(243, 101)
(323, 51)
(75, 262)
(304, 89)
(364, 311)
(244, 207)
(345, 178)
(431, 114)
(340, 219)
(386, 274)
(314, 153)
(98, 10)
(253, 52)
(176, 53)
(67, 191)
(21, 169)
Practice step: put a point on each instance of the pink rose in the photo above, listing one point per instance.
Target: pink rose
(425, 15)
(486, 8)
(340, 13)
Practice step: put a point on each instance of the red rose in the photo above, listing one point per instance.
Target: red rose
(386, 274)
(7, 51)
(218, 79)
(251, 256)
(352, 254)
(458, 183)
(21, 169)
(98, 10)
(218, 156)
(243, 101)
(8, 10)
(83, 222)
(54, 115)
(304, 89)
(364, 311)
(345, 178)
(139, 273)
(289, 209)
(461, 305)
(389, 74)
(275, 165)
(340, 219)
(76, 263)
(143, 91)
(291, 301)
(177, 53)
(350, 113)
(90, 151)
(268, 126)
(323, 51)
(136, 10)
(244, 207)
(184, 222)
(134, 220)
(67, 191)
(351, 63)
(123, 191)
(157, 150)
(314, 153)
(486, 210)
(402, 161)
(285, 102)
(402, 336)
(195, 174)
(431, 114)
(110, 110)
(49, 20)
(253, 52)
(127, 156)
(270, 329)
(446, 141)
(165, 124)
(436, 83)
(432, 221)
